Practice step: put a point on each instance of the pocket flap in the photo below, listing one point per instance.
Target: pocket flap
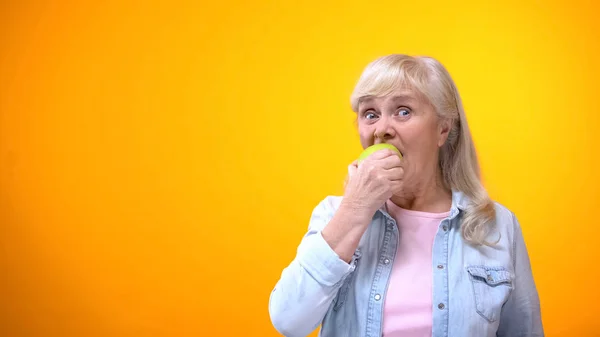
(490, 275)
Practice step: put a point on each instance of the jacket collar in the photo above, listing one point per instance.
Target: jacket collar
(459, 203)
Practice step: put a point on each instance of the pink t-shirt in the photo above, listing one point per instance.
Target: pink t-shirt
(407, 308)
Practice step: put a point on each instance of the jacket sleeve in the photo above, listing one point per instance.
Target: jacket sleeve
(309, 284)
(521, 315)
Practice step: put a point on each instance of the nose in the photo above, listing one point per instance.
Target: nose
(384, 131)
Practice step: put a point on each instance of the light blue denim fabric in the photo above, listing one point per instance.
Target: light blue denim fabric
(477, 291)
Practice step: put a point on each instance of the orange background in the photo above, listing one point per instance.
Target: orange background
(159, 160)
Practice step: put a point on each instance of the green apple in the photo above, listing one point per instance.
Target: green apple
(373, 148)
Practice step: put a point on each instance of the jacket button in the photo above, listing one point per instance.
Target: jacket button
(386, 261)
(441, 306)
(377, 297)
(440, 266)
(445, 228)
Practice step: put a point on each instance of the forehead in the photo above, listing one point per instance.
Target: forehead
(406, 96)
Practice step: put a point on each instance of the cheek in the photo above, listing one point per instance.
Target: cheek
(421, 147)
(365, 136)
(421, 139)
(413, 139)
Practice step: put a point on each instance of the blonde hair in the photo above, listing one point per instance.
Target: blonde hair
(457, 158)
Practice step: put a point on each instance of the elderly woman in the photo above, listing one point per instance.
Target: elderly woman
(415, 247)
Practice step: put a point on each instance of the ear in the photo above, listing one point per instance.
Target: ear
(443, 131)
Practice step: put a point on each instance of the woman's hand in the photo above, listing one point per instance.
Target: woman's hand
(372, 182)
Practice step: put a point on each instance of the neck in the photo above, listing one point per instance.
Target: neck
(430, 196)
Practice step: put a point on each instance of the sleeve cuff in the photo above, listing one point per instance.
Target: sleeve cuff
(322, 262)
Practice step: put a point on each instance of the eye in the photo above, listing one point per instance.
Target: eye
(370, 114)
(403, 111)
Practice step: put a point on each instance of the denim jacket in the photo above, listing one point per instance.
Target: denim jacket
(478, 291)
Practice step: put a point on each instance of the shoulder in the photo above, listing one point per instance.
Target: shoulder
(503, 213)
(506, 223)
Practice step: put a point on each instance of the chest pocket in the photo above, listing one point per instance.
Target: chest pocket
(342, 294)
(491, 288)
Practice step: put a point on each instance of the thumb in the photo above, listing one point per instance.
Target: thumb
(352, 168)
(351, 171)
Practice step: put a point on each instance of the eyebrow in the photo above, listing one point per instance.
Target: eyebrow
(396, 98)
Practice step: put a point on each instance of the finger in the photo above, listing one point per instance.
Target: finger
(395, 174)
(352, 168)
(390, 162)
(396, 187)
(380, 154)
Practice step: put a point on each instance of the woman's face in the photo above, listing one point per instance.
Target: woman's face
(408, 121)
